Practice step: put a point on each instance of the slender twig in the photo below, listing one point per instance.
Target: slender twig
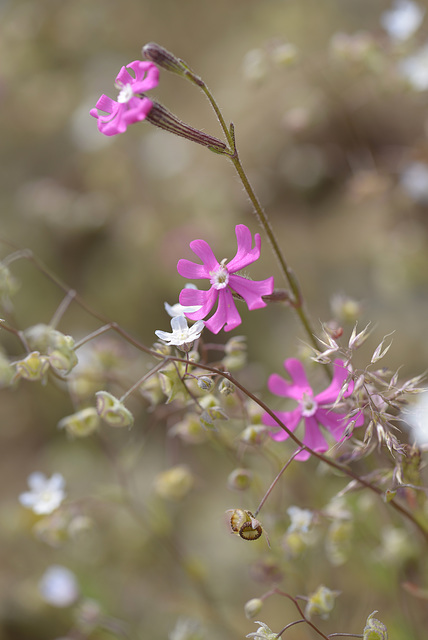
(275, 480)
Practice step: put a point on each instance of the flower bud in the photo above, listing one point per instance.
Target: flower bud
(63, 361)
(226, 387)
(164, 58)
(33, 367)
(8, 285)
(374, 629)
(205, 383)
(254, 434)
(175, 483)
(189, 429)
(113, 411)
(321, 602)
(252, 608)
(239, 479)
(82, 423)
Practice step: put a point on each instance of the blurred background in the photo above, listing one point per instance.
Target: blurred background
(329, 100)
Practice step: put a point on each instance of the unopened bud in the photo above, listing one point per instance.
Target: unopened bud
(205, 383)
(374, 629)
(113, 411)
(82, 423)
(239, 479)
(252, 608)
(226, 387)
(175, 483)
(165, 59)
(254, 434)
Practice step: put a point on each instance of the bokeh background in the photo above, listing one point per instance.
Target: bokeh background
(333, 136)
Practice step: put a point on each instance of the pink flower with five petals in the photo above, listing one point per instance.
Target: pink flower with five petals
(315, 410)
(224, 282)
(130, 107)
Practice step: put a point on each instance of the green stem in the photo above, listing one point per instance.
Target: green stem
(263, 219)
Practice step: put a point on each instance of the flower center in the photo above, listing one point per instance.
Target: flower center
(308, 405)
(125, 93)
(220, 277)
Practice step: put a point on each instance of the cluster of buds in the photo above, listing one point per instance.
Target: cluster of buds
(50, 348)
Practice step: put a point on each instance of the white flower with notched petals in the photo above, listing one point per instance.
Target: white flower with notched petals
(403, 20)
(178, 309)
(58, 586)
(182, 336)
(45, 495)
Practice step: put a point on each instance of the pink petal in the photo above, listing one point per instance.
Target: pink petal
(203, 250)
(226, 314)
(245, 255)
(124, 77)
(297, 388)
(136, 110)
(194, 297)
(146, 75)
(336, 422)
(313, 436)
(251, 290)
(104, 104)
(339, 376)
(290, 418)
(192, 270)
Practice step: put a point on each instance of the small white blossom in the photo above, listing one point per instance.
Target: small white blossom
(301, 519)
(58, 586)
(182, 336)
(403, 20)
(45, 495)
(262, 633)
(415, 69)
(178, 309)
(414, 180)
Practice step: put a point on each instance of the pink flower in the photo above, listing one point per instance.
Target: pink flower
(130, 107)
(224, 282)
(315, 410)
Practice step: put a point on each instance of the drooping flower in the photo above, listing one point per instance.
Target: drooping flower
(130, 106)
(45, 495)
(182, 335)
(224, 282)
(314, 409)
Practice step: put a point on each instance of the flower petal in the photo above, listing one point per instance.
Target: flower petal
(203, 250)
(146, 75)
(336, 423)
(339, 376)
(226, 314)
(290, 418)
(245, 255)
(189, 269)
(195, 297)
(251, 290)
(313, 436)
(297, 388)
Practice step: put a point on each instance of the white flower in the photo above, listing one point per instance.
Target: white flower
(300, 519)
(58, 586)
(416, 417)
(403, 20)
(263, 632)
(46, 493)
(182, 336)
(415, 69)
(187, 629)
(178, 309)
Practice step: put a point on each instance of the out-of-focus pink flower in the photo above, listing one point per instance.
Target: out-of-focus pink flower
(130, 107)
(224, 282)
(315, 410)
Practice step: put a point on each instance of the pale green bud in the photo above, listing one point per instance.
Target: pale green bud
(58, 346)
(175, 483)
(33, 367)
(226, 387)
(8, 284)
(254, 434)
(321, 602)
(239, 479)
(374, 629)
(113, 411)
(82, 423)
(253, 607)
(205, 383)
(189, 429)
(62, 360)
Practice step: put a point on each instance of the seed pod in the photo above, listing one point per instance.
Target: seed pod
(244, 524)
(251, 530)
